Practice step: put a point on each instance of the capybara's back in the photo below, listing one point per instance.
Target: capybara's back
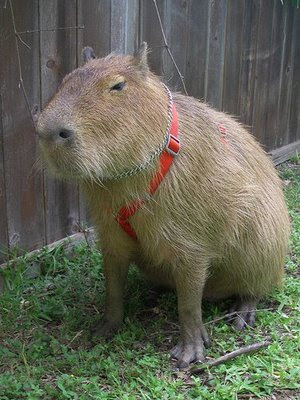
(182, 190)
(236, 198)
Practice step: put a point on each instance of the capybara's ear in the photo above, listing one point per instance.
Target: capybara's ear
(88, 54)
(141, 59)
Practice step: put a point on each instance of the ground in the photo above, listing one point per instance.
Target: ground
(46, 351)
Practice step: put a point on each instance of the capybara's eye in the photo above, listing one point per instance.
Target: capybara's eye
(119, 86)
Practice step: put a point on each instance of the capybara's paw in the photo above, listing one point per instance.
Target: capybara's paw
(190, 348)
(246, 313)
(185, 353)
(106, 329)
(244, 319)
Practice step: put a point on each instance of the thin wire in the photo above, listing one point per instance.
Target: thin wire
(181, 77)
(18, 37)
(21, 82)
(50, 29)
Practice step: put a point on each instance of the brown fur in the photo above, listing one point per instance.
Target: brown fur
(216, 227)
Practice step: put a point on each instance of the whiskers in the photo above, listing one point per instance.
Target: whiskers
(37, 168)
(76, 165)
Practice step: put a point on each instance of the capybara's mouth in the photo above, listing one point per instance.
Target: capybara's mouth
(68, 165)
(58, 162)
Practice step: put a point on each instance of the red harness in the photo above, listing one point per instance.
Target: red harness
(165, 162)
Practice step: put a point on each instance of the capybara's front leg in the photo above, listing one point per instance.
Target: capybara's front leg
(115, 272)
(193, 335)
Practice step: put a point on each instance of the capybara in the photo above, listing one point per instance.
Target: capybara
(202, 213)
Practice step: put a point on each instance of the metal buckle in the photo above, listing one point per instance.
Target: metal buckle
(169, 150)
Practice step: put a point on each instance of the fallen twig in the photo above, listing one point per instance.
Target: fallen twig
(229, 356)
(68, 243)
(233, 314)
(74, 338)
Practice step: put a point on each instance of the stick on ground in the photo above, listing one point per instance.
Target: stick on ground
(229, 356)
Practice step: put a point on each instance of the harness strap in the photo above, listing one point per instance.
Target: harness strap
(165, 162)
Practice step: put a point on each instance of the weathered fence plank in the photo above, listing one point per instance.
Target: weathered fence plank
(124, 26)
(23, 184)
(4, 243)
(58, 57)
(247, 79)
(175, 26)
(285, 78)
(195, 72)
(232, 57)
(294, 121)
(94, 15)
(132, 38)
(3, 214)
(272, 101)
(150, 32)
(216, 52)
(262, 68)
(283, 153)
(118, 19)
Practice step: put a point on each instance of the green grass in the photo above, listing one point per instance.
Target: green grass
(46, 351)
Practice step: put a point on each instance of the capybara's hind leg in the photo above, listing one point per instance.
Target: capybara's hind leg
(246, 312)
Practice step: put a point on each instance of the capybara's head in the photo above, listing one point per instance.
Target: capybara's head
(99, 122)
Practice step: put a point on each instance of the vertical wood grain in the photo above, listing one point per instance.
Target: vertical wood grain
(150, 32)
(23, 183)
(124, 26)
(132, 39)
(197, 26)
(294, 120)
(3, 213)
(216, 52)
(118, 25)
(94, 15)
(276, 49)
(285, 92)
(176, 28)
(58, 50)
(248, 61)
(232, 57)
(262, 69)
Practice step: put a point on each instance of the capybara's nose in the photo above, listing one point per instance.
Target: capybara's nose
(57, 136)
(65, 134)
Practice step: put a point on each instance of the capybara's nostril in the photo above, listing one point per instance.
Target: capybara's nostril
(54, 135)
(65, 134)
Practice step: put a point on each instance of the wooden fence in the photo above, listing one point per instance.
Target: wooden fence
(241, 56)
